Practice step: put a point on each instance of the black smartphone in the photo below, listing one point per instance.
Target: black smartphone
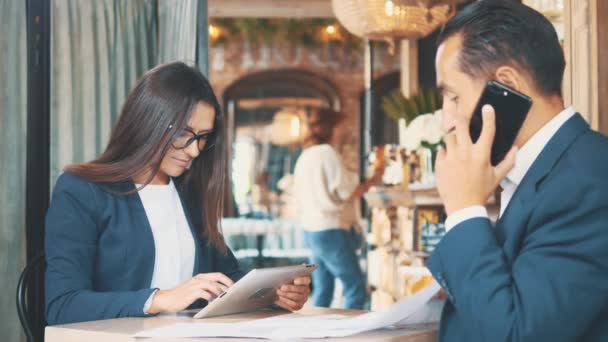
(511, 108)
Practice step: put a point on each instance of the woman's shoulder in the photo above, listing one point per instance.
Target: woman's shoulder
(76, 185)
(316, 154)
(72, 190)
(89, 194)
(320, 150)
(70, 180)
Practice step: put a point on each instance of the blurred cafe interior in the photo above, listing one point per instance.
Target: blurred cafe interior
(66, 67)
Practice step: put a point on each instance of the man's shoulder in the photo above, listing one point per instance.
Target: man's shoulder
(579, 176)
(592, 140)
(588, 155)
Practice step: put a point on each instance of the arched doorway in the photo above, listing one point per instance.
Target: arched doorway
(259, 156)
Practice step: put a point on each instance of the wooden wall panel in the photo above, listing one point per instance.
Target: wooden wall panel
(601, 14)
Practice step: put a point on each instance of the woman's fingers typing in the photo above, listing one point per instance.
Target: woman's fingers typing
(207, 286)
(217, 277)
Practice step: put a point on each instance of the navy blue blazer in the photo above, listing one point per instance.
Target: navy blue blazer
(541, 273)
(100, 251)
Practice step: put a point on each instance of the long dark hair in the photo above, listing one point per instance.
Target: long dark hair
(155, 112)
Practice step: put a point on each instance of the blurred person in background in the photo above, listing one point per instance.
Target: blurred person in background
(325, 193)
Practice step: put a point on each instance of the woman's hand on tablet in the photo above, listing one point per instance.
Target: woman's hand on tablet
(293, 296)
(202, 286)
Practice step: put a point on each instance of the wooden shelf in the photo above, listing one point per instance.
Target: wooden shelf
(414, 196)
(394, 235)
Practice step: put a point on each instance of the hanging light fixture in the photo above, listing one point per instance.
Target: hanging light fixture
(286, 128)
(393, 19)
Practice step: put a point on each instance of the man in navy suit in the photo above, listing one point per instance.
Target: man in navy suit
(540, 273)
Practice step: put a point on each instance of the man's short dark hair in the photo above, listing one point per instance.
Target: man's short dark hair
(503, 32)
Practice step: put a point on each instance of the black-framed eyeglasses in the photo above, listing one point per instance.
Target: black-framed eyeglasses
(187, 137)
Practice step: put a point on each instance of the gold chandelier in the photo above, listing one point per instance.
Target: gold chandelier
(393, 19)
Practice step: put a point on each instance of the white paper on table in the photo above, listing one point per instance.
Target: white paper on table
(411, 310)
(429, 313)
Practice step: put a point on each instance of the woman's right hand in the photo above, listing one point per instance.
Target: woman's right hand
(364, 187)
(376, 178)
(202, 286)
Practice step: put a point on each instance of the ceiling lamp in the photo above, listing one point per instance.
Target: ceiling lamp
(393, 19)
(286, 127)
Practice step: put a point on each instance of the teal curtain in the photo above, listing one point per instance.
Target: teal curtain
(98, 51)
(13, 97)
(177, 30)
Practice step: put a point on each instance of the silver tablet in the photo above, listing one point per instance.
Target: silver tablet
(254, 291)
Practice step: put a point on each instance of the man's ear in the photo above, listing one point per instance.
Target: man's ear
(509, 77)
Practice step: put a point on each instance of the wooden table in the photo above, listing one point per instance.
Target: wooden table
(122, 329)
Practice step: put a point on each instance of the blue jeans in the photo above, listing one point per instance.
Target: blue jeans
(334, 250)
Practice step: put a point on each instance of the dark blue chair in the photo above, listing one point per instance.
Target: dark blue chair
(30, 299)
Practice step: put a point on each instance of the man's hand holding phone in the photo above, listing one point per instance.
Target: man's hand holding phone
(465, 175)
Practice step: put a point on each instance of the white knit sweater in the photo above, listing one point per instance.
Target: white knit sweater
(321, 187)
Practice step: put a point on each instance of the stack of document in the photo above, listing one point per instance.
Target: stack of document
(413, 310)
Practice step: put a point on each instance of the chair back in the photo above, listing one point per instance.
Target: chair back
(30, 299)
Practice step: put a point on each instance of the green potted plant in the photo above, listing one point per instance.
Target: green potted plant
(420, 131)
(397, 106)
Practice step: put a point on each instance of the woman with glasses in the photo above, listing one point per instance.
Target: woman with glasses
(136, 231)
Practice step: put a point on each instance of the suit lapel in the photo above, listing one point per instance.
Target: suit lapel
(144, 256)
(518, 211)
